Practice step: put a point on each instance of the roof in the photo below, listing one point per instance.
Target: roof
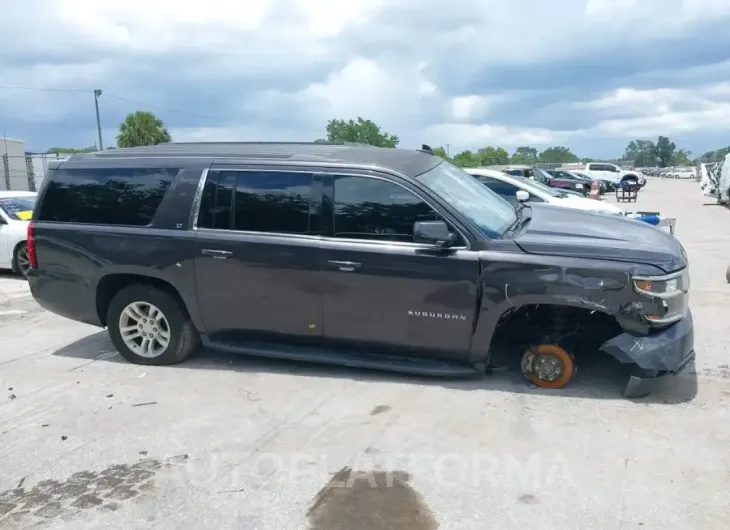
(409, 162)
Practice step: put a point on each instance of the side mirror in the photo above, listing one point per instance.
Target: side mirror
(522, 196)
(433, 233)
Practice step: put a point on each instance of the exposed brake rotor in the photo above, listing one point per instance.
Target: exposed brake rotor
(548, 366)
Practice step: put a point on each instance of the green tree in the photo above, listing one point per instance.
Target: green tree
(643, 153)
(142, 128)
(681, 157)
(466, 159)
(492, 156)
(361, 131)
(71, 150)
(524, 155)
(557, 155)
(665, 151)
(440, 151)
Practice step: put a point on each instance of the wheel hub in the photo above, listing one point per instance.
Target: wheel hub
(548, 366)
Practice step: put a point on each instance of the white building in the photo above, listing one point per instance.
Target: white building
(13, 167)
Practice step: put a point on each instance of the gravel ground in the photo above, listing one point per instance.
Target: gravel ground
(90, 441)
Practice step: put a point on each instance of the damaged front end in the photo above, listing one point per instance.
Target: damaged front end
(659, 332)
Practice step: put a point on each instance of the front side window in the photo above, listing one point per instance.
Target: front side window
(128, 196)
(375, 209)
(489, 212)
(257, 201)
(18, 208)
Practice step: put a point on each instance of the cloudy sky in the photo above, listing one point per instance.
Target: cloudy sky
(590, 74)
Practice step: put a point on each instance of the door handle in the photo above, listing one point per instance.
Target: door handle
(216, 254)
(345, 266)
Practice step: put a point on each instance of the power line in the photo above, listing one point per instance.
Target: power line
(127, 100)
(150, 105)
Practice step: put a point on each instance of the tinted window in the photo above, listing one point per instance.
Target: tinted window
(273, 201)
(105, 196)
(18, 208)
(368, 208)
(517, 172)
(501, 188)
(251, 201)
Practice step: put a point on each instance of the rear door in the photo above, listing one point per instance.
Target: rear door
(258, 260)
(379, 286)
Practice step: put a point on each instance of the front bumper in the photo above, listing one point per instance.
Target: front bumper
(657, 356)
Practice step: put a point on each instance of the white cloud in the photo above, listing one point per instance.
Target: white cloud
(281, 68)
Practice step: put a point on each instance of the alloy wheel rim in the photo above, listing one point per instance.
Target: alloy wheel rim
(144, 329)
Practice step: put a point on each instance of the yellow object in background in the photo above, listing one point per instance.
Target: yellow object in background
(25, 215)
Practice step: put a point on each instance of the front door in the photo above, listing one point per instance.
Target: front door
(257, 268)
(382, 289)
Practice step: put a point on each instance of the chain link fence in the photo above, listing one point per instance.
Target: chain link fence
(24, 172)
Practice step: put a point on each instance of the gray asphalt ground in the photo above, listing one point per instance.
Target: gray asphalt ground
(90, 441)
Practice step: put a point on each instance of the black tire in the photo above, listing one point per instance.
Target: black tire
(21, 265)
(184, 338)
(727, 274)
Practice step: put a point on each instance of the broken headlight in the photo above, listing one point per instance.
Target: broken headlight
(671, 291)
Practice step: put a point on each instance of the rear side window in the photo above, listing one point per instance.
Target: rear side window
(257, 201)
(128, 196)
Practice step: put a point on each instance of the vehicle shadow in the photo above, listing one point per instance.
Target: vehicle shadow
(10, 275)
(602, 378)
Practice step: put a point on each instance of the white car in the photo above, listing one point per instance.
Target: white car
(507, 187)
(16, 209)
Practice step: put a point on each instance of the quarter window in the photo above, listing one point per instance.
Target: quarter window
(369, 208)
(257, 201)
(105, 196)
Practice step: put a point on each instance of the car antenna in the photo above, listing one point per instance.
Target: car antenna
(426, 149)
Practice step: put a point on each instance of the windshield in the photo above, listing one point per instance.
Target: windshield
(18, 208)
(531, 185)
(487, 210)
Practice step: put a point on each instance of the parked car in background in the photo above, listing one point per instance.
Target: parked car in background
(540, 175)
(612, 174)
(588, 181)
(507, 187)
(16, 209)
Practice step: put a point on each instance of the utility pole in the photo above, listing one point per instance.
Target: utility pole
(97, 93)
(448, 147)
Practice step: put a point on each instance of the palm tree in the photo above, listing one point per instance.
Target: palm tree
(142, 128)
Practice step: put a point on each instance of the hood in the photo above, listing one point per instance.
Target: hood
(582, 203)
(580, 234)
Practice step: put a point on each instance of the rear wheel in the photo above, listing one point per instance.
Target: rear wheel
(149, 326)
(21, 261)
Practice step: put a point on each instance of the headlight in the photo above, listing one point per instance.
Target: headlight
(672, 291)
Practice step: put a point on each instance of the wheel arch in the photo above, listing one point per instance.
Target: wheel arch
(16, 247)
(110, 284)
(487, 325)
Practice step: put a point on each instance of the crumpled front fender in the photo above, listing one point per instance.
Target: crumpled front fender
(664, 351)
